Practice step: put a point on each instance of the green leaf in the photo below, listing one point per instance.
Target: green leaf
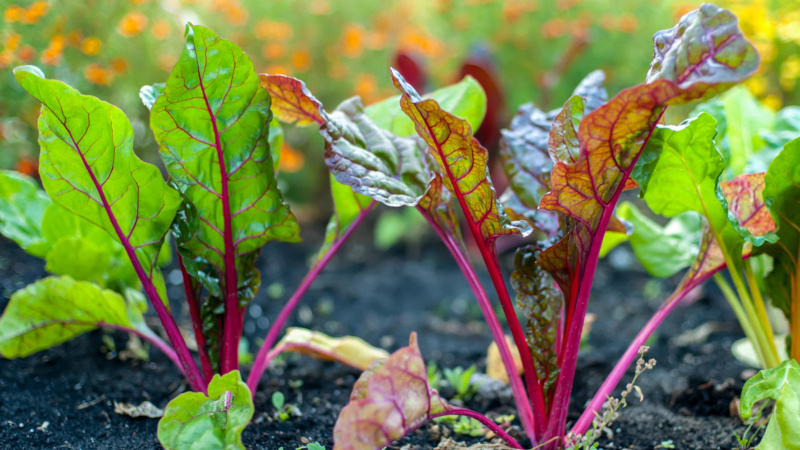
(663, 251)
(464, 99)
(88, 166)
(781, 384)
(212, 125)
(679, 170)
(56, 309)
(746, 118)
(22, 207)
(374, 162)
(149, 94)
(193, 420)
(390, 399)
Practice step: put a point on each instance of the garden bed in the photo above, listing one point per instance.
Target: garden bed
(382, 297)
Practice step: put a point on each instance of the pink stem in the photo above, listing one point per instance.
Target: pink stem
(261, 362)
(154, 340)
(483, 420)
(517, 388)
(569, 358)
(197, 325)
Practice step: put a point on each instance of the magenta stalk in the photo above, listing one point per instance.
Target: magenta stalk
(483, 420)
(197, 325)
(261, 362)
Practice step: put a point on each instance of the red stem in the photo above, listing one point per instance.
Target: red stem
(154, 340)
(523, 404)
(197, 324)
(569, 358)
(483, 420)
(262, 361)
(187, 366)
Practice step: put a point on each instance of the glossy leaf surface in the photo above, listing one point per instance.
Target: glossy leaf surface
(390, 399)
(56, 309)
(194, 420)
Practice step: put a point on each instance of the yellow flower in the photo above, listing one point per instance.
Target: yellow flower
(757, 85)
(301, 60)
(132, 24)
(91, 46)
(790, 71)
(772, 102)
(13, 14)
(35, 12)
(97, 74)
(161, 30)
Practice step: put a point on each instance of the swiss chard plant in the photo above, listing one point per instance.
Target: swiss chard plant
(105, 223)
(567, 170)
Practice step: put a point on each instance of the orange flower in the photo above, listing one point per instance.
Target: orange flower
(132, 24)
(236, 15)
(366, 87)
(97, 74)
(91, 46)
(119, 65)
(5, 58)
(279, 31)
(277, 69)
(138, 2)
(28, 165)
(301, 60)
(628, 23)
(514, 9)
(34, 13)
(13, 14)
(553, 28)
(273, 50)
(12, 41)
(291, 159)
(27, 53)
(51, 57)
(352, 40)
(161, 30)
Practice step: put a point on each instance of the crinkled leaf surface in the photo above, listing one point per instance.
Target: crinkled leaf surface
(212, 126)
(22, 207)
(88, 166)
(524, 150)
(464, 99)
(390, 399)
(782, 197)
(374, 162)
(349, 350)
(437, 204)
(781, 384)
(462, 161)
(193, 420)
(56, 309)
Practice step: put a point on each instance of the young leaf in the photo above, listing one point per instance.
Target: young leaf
(194, 420)
(372, 161)
(462, 161)
(389, 400)
(348, 350)
(56, 309)
(464, 99)
(22, 207)
(88, 167)
(781, 384)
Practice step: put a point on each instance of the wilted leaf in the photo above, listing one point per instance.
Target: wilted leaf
(194, 420)
(494, 362)
(56, 309)
(144, 409)
(348, 350)
(390, 399)
(781, 384)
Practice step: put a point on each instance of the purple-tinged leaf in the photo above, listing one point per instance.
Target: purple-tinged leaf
(389, 400)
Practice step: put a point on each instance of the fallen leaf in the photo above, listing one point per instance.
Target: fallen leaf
(145, 409)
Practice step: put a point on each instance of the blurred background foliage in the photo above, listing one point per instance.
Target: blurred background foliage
(537, 50)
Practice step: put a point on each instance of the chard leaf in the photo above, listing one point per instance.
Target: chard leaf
(437, 205)
(703, 55)
(663, 251)
(347, 207)
(781, 384)
(782, 197)
(56, 309)
(88, 166)
(194, 420)
(464, 99)
(462, 161)
(349, 350)
(212, 127)
(541, 303)
(389, 400)
(372, 161)
(524, 150)
(22, 207)
(292, 102)
(149, 94)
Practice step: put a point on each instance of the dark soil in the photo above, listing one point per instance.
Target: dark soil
(381, 297)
